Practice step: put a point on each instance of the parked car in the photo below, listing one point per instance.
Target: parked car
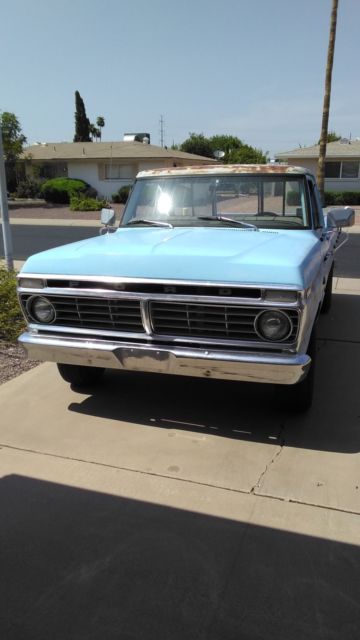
(217, 272)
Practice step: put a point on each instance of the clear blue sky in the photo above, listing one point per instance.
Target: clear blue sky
(252, 68)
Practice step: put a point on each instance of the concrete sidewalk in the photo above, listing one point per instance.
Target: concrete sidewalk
(55, 222)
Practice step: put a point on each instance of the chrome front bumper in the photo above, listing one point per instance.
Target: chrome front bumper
(202, 363)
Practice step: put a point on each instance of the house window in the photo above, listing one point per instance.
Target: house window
(350, 170)
(53, 170)
(346, 169)
(332, 169)
(114, 171)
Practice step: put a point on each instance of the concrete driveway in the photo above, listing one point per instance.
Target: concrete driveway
(177, 509)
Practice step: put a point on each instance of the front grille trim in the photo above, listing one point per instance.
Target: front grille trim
(226, 324)
(215, 321)
(92, 313)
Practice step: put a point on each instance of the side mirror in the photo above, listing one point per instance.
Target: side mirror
(107, 217)
(340, 217)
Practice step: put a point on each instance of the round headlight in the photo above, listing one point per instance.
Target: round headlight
(273, 325)
(42, 310)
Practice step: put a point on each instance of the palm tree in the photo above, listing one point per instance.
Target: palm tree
(326, 106)
(100, 121)
(93, 132)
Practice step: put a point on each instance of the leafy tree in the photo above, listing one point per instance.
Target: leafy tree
(332, 136)
(13, 142)
(92, 131)
(95, 133)
(246, 155)
(327, 94)
(236, 152)
(225, 143)
(100, 122)
(197, 144)
(82, 123)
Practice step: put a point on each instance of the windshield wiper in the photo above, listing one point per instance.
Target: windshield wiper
(231, 220)
(154, 223)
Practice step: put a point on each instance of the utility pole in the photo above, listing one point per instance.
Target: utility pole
(6, 230)
(162, 131)
(326, 105)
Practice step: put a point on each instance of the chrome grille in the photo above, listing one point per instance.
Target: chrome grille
(210, 321)
(95, 313)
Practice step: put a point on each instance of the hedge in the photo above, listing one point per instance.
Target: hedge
(122, 195)
(60, 190)
(11, 318)
(342, 198)
(81, 203)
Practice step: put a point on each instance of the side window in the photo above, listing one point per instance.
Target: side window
(316, 209)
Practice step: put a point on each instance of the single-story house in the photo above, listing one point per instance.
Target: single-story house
(342, 164)
(106, 166)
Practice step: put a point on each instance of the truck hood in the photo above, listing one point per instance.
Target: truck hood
(200, 254)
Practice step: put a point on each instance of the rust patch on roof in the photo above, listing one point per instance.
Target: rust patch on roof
(223, 169)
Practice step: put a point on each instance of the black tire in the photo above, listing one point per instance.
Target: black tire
(298, 397)
(79, 376)
(326, 305)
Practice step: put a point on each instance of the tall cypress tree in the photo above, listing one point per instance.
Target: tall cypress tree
(82, 124)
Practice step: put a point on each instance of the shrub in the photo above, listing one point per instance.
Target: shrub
(28, 188)
(122, 195)
(82, 203)
(60, 190)
(342, 198)
(11, 319)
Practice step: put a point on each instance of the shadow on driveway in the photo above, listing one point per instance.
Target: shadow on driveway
(79, 564)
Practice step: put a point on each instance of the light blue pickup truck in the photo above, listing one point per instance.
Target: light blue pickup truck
(215, 271)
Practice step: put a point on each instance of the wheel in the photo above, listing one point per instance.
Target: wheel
(298, 397)
(80, 376)
(326, 305)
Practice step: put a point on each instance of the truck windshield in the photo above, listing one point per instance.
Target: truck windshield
(261, 201)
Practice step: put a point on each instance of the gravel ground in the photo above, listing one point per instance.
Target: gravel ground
(13, 361)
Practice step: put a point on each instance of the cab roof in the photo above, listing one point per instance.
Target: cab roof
(224, 169)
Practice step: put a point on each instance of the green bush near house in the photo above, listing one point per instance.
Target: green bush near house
(339, 198)
(60, 190)
(81, 203)
(122, 195)
(11, 318)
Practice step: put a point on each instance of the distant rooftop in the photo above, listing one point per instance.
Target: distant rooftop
(345, 148)
(104, 150)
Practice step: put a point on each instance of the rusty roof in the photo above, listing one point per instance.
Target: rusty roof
(224, 169)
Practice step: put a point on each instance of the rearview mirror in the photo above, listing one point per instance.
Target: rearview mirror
(340, 217)
(107, 216)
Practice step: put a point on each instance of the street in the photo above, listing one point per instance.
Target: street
(30, 238)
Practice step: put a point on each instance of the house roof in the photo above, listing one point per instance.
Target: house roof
(104, 151)
(225, 169)
(349, 149)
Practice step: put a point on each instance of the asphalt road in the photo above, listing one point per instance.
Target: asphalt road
(29, 239)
